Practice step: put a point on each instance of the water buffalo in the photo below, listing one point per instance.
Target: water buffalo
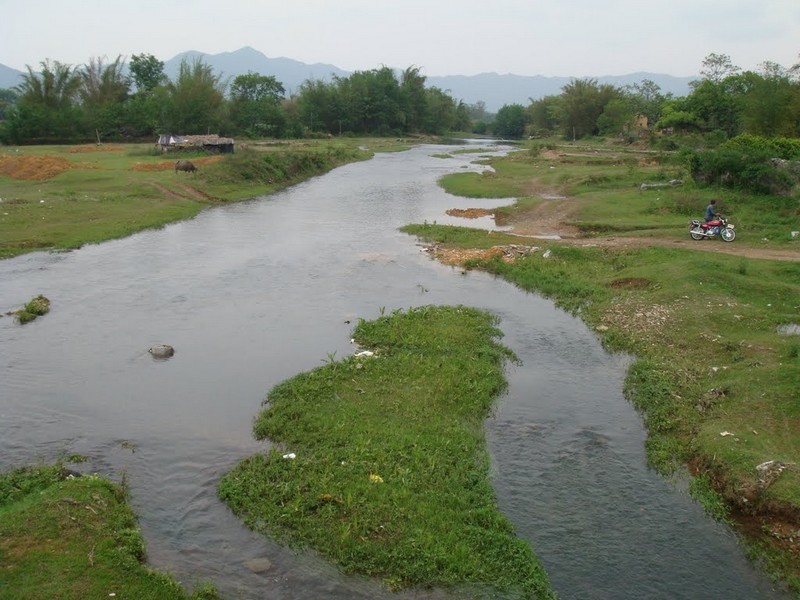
(185, 165)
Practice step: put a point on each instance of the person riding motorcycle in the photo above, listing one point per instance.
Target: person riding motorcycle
(712, 215)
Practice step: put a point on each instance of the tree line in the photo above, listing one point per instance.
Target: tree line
(106, 101)
(724, 102)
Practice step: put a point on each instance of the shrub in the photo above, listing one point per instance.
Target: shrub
(37, 307)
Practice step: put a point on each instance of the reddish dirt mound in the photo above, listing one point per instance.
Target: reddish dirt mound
(95, 148)
(33, 167)
(168, 165)
(469, 213)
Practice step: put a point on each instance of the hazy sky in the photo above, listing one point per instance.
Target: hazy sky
(575, 38)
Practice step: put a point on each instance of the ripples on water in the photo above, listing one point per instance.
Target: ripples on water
(253, 293)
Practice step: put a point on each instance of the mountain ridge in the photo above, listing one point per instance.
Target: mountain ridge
(492, 88)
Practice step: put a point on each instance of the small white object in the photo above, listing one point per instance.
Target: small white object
(365, 353)
(725, 433)
(546, 254)
(290, 456)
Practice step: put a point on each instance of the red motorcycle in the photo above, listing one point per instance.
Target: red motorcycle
(718, 227)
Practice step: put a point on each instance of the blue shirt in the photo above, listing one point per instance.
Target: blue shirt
(710, 213)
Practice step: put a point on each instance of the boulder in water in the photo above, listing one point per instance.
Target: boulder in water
(162, 351)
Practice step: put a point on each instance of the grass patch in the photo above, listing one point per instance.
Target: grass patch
(74, 538)
(390, 472)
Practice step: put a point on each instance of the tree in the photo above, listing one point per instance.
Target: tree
(412, 99)
(546, 113)
(196, 99)
(8, 99)
(582, 103)
(46, 110)
(510, 121)
(717, 67)
(103, 90)
(256, 105)
(147, 72)
(771, 104)
(55, 87)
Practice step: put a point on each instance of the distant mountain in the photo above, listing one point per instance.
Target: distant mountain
(291, 73)
(9, 77)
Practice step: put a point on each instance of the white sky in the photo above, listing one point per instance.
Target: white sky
(573, 38)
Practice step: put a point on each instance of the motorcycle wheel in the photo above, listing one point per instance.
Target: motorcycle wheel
(696, 235)
(728, 235)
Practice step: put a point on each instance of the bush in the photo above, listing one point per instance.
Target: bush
(37, 307)
(751, 170)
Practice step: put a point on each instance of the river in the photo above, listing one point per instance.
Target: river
(251, 294)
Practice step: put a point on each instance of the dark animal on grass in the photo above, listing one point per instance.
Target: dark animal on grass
(185, 165)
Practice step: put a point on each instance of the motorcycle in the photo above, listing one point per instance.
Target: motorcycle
(719, 227)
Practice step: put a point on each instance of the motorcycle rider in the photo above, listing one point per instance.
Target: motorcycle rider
(711, 214)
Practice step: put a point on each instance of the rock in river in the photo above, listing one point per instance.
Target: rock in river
(162, 351)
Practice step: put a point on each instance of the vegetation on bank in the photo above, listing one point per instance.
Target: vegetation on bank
(75, 538)
(62, 197)
(380, 463)
(714, 377)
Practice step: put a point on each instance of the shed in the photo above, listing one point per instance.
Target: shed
(208, 143)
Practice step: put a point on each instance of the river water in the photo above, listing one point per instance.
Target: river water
(253, 293)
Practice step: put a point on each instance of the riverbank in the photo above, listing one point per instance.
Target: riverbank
(62, 197)
(74, 538)
(717, 364)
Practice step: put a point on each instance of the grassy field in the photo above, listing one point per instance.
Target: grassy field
(718, 384)
(73, 539)
(381, 465)
(62, 197)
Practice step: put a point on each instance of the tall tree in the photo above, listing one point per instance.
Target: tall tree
(256, 105)
(196, 99)
(771, 104)
(46, 110)
(147, 72)
(510, 121)
(56, 86)
(104, 88)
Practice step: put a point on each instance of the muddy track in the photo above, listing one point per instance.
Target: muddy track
(553, 217)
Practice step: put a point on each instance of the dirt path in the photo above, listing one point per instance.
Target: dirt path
(552, 217)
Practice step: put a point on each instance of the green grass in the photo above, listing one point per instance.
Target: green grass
(113, 192)
(390, 478)
(72, 539)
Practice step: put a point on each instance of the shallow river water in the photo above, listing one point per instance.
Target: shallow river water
(253, 293)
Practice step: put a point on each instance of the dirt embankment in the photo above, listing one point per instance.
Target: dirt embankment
(34, 168)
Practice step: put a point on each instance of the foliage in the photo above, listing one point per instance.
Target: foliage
(37, 307)
(74, 538)
(510, 122)
(750, 170)
(379, 463)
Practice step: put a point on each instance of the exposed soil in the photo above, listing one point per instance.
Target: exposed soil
(95, 148)
(34, 168)
(552, 217)
(168, 165)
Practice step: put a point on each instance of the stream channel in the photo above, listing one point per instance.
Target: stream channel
(253, 293)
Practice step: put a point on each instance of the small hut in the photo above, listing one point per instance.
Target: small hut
(208, 143)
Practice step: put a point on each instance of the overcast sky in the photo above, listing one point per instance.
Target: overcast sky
(573, 38)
